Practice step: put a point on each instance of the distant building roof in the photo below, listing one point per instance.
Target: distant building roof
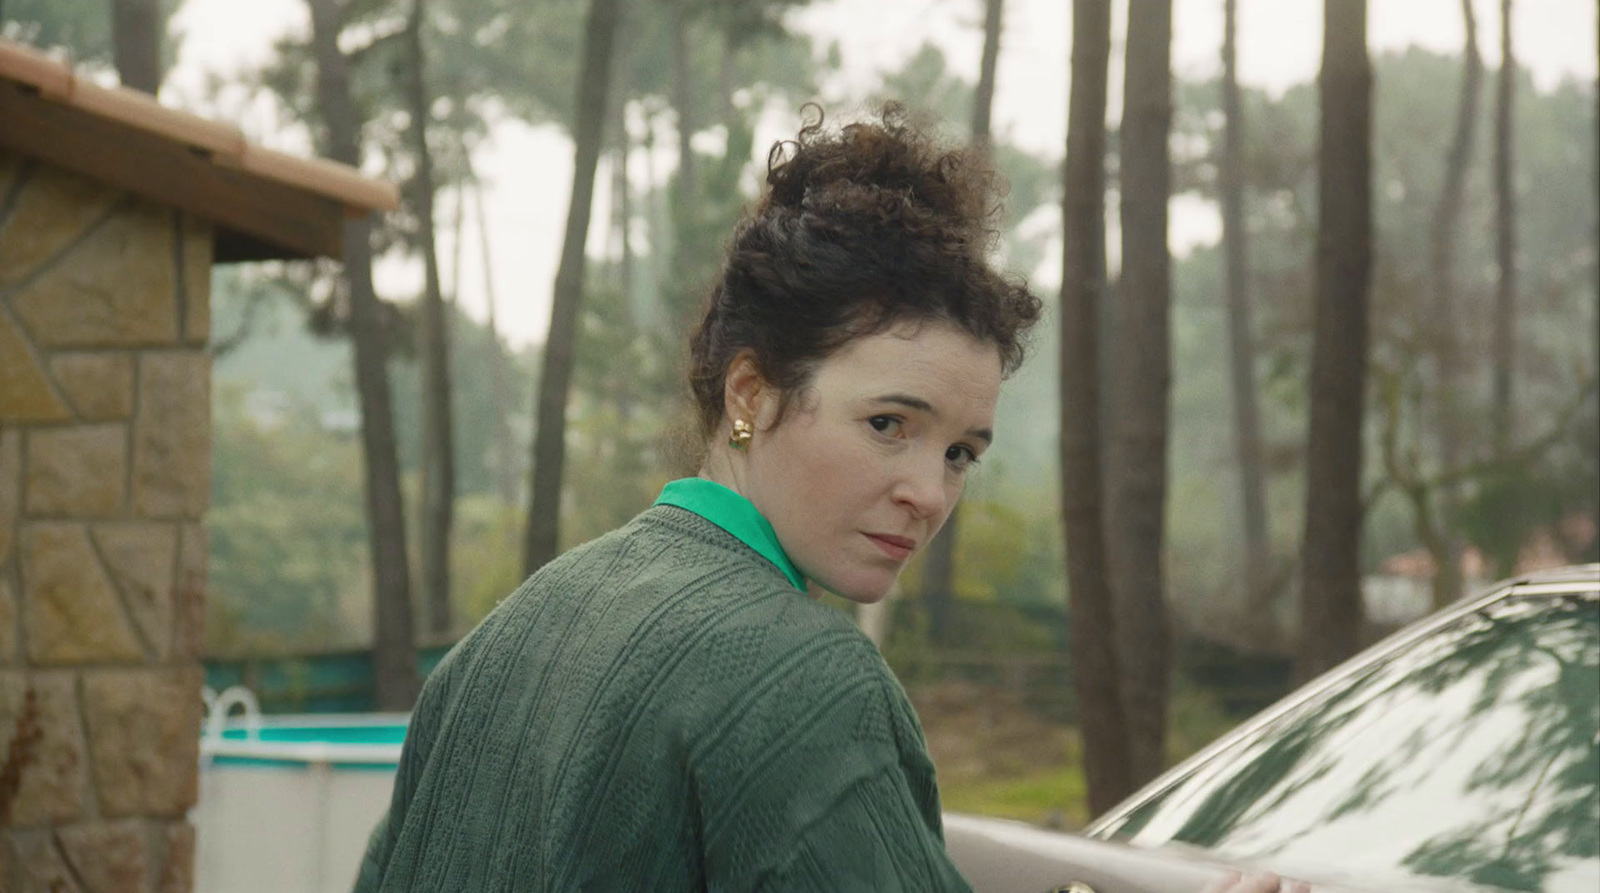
(266, 204)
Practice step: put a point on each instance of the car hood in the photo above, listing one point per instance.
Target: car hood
(1000, 856)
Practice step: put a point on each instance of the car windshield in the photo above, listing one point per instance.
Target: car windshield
(1473, 755)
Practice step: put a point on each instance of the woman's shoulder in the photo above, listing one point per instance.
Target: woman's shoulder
(787, 632)
(667, 544)
(784, 664)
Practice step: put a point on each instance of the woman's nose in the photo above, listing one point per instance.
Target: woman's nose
(922, 490)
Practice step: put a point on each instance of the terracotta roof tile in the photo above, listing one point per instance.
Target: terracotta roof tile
(224, 143)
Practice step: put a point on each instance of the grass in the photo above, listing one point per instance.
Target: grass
(1054, 797)
(995, 757)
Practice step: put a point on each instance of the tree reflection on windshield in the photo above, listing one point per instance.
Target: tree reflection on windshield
(1474, 755)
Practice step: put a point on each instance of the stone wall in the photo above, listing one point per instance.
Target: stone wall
(105, 473)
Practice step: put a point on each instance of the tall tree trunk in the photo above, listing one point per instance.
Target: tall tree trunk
(727, 77)
(1137, 481)
(1447, 581)
(1094, 657)
(457, 244)
(622, 207)
(504, 451)
(939, 568)
(438, 447)
(1241, 343)
(136, 27)
(622, 394)
(658, 226)
(549, 444)
(683, 104)
(983, 100)
(1505, 298)
(1331, 609)
(394, 651)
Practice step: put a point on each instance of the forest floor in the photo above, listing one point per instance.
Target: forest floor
(997, 757)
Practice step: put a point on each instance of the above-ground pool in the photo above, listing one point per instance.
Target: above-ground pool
(286, 802)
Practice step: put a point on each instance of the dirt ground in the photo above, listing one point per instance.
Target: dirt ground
(995, 756)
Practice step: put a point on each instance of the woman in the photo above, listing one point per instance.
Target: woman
(662, 708)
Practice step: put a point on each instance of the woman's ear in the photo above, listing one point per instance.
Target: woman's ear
(745, 391)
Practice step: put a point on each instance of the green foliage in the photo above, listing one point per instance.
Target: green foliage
(999, 550)
(927, 86)
(624, 387)
(261, 338)
(738, 49)
(286, 394)
(1415, 108)
(278, 357)
(287, 531)
(485, 60)
(82, 27)
(486, 53)
(485, 555)
(1194, 720)
(1057, 796)
(489, 60)
(700, 223)
(1512, 504)
(477, 413)
(286, 527)
(930, 90)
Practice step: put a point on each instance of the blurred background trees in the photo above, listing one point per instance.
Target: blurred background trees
(1164, 452)
(131, 37)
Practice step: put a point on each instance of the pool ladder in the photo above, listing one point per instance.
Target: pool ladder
(218, 706)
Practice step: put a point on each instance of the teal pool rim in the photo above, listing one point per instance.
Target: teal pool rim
(286, 763)
(345, 742)
(320, 720)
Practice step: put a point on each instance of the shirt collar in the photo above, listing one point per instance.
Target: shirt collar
(735, 514)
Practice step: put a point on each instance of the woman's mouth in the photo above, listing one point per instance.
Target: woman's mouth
(897, 547)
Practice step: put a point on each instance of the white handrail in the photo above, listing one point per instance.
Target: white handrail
(219, 706)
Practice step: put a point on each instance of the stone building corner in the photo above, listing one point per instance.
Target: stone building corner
(104, 481)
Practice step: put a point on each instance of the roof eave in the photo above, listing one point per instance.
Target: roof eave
(265, 204)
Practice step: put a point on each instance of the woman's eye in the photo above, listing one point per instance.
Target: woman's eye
(885, 424)
(960, 457)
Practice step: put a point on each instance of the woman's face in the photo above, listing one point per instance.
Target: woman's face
(872, 456)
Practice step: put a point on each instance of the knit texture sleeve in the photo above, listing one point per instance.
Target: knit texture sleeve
(819, 780)
(873, 839)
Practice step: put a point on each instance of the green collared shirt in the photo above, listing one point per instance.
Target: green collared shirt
(735, 514)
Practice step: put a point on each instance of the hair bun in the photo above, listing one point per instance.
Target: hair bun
(886, 172)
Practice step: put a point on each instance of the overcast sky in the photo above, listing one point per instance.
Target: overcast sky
(530, 169)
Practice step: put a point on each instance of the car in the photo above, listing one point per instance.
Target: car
(1460, 753)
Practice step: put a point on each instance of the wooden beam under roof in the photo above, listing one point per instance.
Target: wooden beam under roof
(265, 204)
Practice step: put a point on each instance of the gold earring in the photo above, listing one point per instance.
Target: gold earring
(742, 432)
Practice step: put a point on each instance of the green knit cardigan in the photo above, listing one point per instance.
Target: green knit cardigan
(661, 710)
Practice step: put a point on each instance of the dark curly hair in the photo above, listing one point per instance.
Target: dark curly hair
(857, 231)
